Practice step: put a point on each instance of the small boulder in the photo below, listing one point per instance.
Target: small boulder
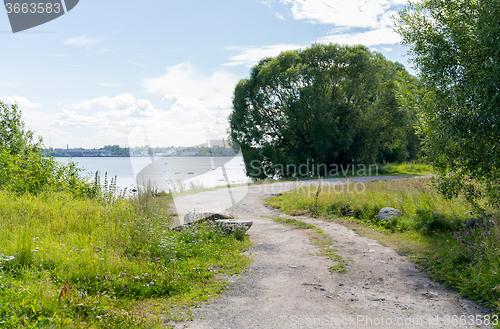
(232, 225)
(429, 294)
(206, 216)
(387, 213)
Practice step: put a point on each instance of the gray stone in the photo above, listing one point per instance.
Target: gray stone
(429, 294)
(206, 216)
(220, 219)
(233, 224)
(387, 213)
(230, 225)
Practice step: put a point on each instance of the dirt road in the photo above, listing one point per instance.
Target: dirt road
(289, 286)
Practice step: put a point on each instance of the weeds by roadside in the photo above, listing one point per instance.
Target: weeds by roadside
(75, 262)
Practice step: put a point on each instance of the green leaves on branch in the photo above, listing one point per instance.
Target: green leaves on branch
(14, 139)
(331, 104)
(24, 168)
(455, 45)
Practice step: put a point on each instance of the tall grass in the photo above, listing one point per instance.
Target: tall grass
(421, 206)
(76, 262)
(406, 168)
(455, 245)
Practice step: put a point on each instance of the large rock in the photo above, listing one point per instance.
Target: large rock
(387, 213)
(229, 226)
(206, 216)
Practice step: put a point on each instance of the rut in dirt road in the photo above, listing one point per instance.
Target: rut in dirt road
(289, 286)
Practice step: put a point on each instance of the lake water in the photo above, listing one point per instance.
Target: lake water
(167, 172)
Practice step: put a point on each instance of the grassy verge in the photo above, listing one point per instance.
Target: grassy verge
(319, 239)
(451, 243)
(390, 169)
(69, 262)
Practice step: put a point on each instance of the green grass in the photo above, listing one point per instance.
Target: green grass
(69, 262)
(318, 238)
(408, 168)
(432, 231)
(414, 168)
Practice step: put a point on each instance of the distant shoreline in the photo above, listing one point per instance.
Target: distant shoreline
(127, 156)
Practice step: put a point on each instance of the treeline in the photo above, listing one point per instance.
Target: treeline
(116, 150)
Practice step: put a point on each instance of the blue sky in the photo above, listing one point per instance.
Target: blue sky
(108, 71)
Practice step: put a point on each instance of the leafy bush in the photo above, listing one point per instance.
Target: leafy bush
(24, 168)
(431, 221)
(459, 106)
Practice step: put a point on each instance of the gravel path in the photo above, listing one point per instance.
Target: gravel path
(289, 286)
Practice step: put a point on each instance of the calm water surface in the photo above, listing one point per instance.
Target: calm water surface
(177, 171)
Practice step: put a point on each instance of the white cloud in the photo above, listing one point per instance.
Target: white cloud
(369, 38)
(279, 16)
(371, 18)
(109, 110)
(250, 56)
(185, 86)
(34, 115)
(99, 121)
(22, 102)
(110, 120)
(189, 94)
(266, 2)
(193, 110)
(83, 41)
(352, 13)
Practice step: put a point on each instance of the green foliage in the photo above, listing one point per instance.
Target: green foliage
(36, 173)
(14, 139)
(334, 105)
(339, 268)
(78, 262)
(442, 235)
(454, 45)
(116, 150)
(24, 168)
(469, 261)
(407, 168)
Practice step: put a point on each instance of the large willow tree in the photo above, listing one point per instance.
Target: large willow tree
(327, 104)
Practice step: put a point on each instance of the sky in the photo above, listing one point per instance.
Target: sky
(162, 72)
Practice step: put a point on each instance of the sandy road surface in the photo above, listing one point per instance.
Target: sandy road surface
(289, 286)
